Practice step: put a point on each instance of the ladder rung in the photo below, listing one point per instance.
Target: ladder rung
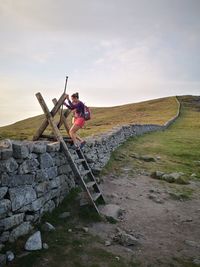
(95, 196)
(90, 184)
(80, 160)
(84, 173)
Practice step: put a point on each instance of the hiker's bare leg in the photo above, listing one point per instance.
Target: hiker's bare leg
(72, 133)
(79, 138)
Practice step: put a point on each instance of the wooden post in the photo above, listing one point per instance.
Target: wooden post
(63, 118)
(63, 145)
(53, 113)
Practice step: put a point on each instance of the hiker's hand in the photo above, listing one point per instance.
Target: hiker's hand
(67, 96)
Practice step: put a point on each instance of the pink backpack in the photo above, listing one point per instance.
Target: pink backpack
(87, 113)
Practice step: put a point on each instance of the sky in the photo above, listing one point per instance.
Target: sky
(114, 52)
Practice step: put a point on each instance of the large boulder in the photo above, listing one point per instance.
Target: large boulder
(125, 239)
(111, 211)
(21, 196)
(20, 150)
(34, 242)
(12, 221)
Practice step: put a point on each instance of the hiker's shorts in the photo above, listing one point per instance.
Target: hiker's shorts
(79, 122)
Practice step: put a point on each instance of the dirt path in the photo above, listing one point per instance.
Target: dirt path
(167, 229)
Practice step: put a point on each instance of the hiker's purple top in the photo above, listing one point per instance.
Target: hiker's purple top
(79, 108)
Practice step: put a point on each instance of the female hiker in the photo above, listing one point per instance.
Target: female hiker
(78, 122)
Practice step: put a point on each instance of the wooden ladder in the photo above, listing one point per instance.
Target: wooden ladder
(76, 158)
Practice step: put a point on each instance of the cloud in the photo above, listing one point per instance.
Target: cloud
(114, 51)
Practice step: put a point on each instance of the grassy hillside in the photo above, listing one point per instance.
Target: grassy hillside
(178, 147)
(156, 111)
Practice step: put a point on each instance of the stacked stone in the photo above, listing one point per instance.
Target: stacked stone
(98, 149)
(35, 178)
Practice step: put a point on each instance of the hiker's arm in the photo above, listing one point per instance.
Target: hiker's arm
(68, 106)
(73, 106)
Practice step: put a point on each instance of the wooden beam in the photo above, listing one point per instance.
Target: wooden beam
(45, 123)
(63, 119)
(64, 146)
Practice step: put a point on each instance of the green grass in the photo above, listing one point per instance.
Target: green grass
(178, 147)
(156, 111)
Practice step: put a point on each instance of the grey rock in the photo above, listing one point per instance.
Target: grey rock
(71, 182)
(175, 177)
(192, 243)
(17, 180)
(85, 229)
(147, 158)
(12, 221)
(36, 204)
(46, 161)
(2, 259)
(3, 191)
(5, 144)
(29, 218)
(157, 174)
(45, 246)
(52, 172)
(41, 175)
(114, 195)
(33, 156)
(21, 196)
(49, 206)
(6, 153)
(28, 166)
(110, 211)
(155, 198)
(52, 147)
(55, 193)
(126, 239)
(64, 169)
(47, 227)
(107, 243)
(6, 149)
(22, 229)
(39, 148)
(34, 242)
(10, 256)
(4, 236)
(196, 261)
(55, 183)
(5, 207)
(193, 175)
(42, 188)
(59, 159)
(134, 155)
(65, 215)
(9, 165)
(20, 151)
(96, 170)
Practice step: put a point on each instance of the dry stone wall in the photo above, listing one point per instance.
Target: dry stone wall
(35, 176)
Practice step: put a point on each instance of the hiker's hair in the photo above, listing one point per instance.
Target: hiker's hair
(76, 95)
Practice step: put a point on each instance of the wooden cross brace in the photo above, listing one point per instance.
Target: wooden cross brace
(49, 115)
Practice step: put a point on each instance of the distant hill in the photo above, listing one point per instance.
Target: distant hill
(156, 111)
